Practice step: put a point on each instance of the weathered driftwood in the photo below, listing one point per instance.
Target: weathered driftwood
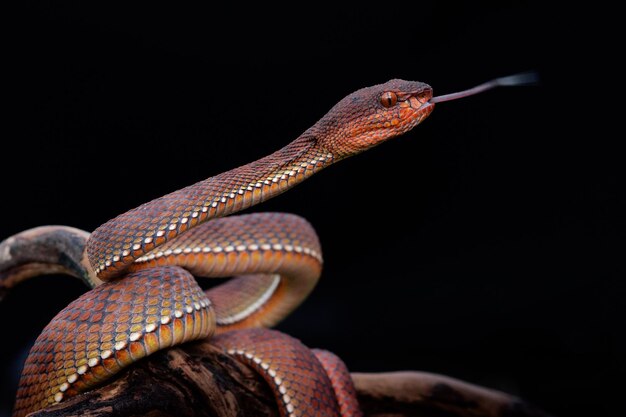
(198, 380)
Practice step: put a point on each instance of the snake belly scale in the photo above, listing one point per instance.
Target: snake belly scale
(142, 267)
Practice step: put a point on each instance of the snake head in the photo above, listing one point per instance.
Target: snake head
(372, 115)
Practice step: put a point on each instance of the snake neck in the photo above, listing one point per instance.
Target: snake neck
(119, 242)
(285, 168)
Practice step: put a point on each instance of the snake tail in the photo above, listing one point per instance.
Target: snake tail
(341, 381)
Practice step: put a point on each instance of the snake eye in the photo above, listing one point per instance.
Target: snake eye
(388, 99)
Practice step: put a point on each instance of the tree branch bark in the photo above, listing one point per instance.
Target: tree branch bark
(197, 379)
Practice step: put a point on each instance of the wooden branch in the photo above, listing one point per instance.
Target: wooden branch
(423, 394)
(198, 380)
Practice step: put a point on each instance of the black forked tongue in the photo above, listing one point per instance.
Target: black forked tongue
(521, 79)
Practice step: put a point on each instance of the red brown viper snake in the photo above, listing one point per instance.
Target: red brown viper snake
(141, 267)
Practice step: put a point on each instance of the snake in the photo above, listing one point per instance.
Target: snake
(142, 265)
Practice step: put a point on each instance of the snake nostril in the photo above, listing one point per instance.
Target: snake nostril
(425, 95)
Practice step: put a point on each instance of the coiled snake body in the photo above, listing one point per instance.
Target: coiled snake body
(148, 258)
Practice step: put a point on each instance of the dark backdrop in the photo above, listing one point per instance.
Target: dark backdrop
(484, 245)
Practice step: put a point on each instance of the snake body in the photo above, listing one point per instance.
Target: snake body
(148, 258)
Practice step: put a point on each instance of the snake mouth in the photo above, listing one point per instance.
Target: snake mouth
(426, 107)
(423, 109)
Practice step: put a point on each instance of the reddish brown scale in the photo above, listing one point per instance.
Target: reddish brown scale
(341, 380)
(110, 327)
(295, 376)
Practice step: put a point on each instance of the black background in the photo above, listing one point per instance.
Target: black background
(486, 244)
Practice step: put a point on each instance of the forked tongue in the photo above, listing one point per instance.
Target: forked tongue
(521, 79)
